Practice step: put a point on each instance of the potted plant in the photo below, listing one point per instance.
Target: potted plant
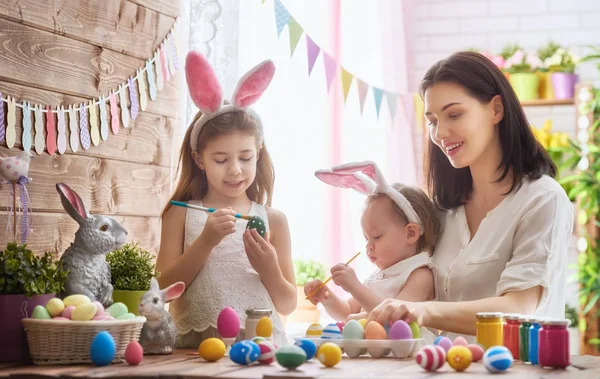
(522, 68)
(562, 65)
(546, 90)
(306, 270)
(131, 269)
(26, 280)
(572, 315)
(506, 53)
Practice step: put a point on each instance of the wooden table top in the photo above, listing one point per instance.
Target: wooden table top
(181, 365)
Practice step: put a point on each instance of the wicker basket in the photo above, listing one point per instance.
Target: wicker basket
(68, 342)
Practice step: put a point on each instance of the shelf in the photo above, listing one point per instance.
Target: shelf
(546, 102)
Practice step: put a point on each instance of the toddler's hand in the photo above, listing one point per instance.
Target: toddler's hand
(219, 224)
(320, 296)
(344, 277)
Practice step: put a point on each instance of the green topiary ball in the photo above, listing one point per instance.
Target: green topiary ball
(258, 224)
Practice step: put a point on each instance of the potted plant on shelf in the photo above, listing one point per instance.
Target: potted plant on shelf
(522, 68)
(545, 87)
(131, 269)
(506, 53)
(562, 66)
(26, 280)
(306, 270)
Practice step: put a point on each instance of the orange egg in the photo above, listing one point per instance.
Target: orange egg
(375, 331)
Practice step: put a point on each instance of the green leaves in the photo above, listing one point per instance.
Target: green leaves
(307, 270)
(131, 268)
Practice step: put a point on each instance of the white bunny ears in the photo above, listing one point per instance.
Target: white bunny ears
(207, 94)
(350, 175)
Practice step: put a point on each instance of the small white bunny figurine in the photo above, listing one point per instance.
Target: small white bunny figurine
(159, 333)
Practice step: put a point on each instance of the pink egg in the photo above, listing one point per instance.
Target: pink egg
(60, 318)
(341, 325)
(267, 353)
(460, 341)
(400, 331)
(431, 357)
(228, 323)
(66, 313)
(134, 353)
(477, 352)
(444, 342)
(103, 317)
(99, 308)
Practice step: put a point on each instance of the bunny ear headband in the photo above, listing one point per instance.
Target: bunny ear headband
(366, 178)
(207, 94)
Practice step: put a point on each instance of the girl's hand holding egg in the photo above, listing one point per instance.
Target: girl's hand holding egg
(321, 295)
(219, 224)
(260, 252)
(345, 277)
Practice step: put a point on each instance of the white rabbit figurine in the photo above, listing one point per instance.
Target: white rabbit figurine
(85, 258)
(159, 333)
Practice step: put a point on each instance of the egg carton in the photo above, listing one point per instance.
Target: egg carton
(375, 348)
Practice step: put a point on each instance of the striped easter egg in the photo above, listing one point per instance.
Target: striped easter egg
(315, 330)
(497, 359)
(267, 352)
(332, 332)
(431, 357)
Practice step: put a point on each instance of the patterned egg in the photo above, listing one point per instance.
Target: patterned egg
(315, 330)
(117, 309)
(228, 323)
(308, 346)
(99, 308)
(40, 313)
(102, 348)
(76, 300)
(353, 330)
(459, 357)
(258, 224)
(212, 349)
(416, 329)
(267, 352)
(497, 359)
(55, 307)
(460, 341)
(134, 353)
(329, 354)
(84, 312)
(244, 352)
(331, 332)
(258, 340)
(68, 311)
(363, 322)
(400, 331)
(290, 356)
(431, 357)
(374, 331)
(477, 351)
(264, 327)
(443, 342)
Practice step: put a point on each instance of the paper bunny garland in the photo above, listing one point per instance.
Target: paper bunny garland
(366, 178)
(207, 94)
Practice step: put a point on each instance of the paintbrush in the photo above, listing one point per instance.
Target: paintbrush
(209, 210)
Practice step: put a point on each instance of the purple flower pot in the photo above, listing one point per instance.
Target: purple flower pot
(13, 308)
(564, 85)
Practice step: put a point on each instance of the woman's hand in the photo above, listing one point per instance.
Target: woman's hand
(261, 254)
(392, 310)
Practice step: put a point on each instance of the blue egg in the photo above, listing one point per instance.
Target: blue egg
(308, 346)
(331, 332)
(437, 340)
(244, 352)
(103, 349)
(497, 359)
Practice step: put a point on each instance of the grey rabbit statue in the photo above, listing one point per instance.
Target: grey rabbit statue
(159, 333)
(85, 258)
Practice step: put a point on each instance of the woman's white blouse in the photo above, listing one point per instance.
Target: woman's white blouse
(520, 244)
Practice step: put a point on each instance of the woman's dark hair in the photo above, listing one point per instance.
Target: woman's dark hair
(482, 79)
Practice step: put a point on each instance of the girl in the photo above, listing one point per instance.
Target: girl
(507, 222)
(401, 229)
(226, 166)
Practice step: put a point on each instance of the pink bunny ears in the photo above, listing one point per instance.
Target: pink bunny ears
(366, 178)
(207, 94)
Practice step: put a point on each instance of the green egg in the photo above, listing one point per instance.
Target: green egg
(116, 310)
(126, 316)
(416, 330)
(258, 224)
(40, 313)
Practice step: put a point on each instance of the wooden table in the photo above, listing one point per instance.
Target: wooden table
(181, 365)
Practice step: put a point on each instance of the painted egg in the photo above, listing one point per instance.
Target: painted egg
(290, 356)
(400, 331)
(415, 329)
(40, 313)
(99, 308)
(308, 346)
(117, 309)
(258, 224)
(363, 322)
(477, 351)
(126, 316)
(264, 327)
(460, 341)
(374, 331)
(315, 330)
(212, 349)
(331, 332)
(59, 318)
(244, 352)
(459, 357)
(341, 325)
(102, 348)
(329, 354)
(228, 323)
(55, 307)
(443, 342)
(258, 340)
(497, 359)
(68, 311)
(84, 312)
(76, 300)
(134, 353)
(267, 353)
(431, 357)
(353, 330)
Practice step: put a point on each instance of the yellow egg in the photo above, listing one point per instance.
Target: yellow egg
(329, 354)
(55, 306)
(84, 312)
(315, 330)
(212, 349)
(459, 357)
(375, 331)
(264, 327)
(363, 322)
(76, 300)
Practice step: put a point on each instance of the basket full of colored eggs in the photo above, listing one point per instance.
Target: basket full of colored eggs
(357, 338)
(62, 332)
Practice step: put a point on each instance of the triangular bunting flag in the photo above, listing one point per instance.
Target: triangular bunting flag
(313, 52)
(330, 66)
(282, 16)
(392, 100)
(295, 33)
(346, 82)
(362, 93)
(378, 95)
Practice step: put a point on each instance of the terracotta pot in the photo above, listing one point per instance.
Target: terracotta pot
(305, 311)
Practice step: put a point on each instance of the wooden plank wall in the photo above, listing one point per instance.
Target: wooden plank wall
(66, 52)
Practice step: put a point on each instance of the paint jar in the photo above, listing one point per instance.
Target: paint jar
(489, 329)
(534, 332)
(524, 338)
(252, 317)
(511, 333)
(554, 343)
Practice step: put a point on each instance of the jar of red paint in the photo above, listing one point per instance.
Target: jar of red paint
(511, 334)
(554, 343)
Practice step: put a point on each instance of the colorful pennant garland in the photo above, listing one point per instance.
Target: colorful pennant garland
(92, 127)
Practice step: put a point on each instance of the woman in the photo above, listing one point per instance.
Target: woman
(507, 222)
